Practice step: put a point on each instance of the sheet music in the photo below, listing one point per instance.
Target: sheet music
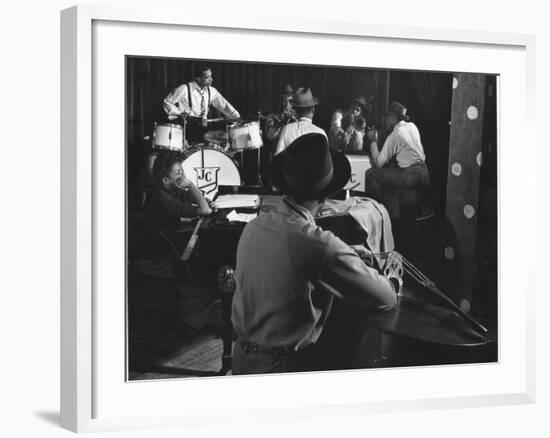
(237, 201)
(233, 216)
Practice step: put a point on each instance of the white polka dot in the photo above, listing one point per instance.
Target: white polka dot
(479, 158)
(455, 83)
(449, 252)
(469, 211)
(456, 169)
(465, 305)
(472, 112)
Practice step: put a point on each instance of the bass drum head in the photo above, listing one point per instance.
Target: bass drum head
(209, 168)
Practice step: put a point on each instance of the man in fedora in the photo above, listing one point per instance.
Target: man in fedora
(303, 102)
(289, 270)
(401, 163)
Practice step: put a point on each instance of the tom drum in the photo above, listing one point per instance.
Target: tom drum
(168, 136)
(245, 136)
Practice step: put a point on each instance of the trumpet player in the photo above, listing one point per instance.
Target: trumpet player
(347, 130)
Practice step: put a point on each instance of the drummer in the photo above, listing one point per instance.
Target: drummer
(194, 99)
(303, 102)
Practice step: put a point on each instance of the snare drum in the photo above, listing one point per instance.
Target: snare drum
(168, 136)
(208, 167)
(245, 136)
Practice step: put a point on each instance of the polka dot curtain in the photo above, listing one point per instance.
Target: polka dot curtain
(465, 161)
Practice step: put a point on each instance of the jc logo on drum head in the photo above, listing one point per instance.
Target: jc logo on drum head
(207, 179)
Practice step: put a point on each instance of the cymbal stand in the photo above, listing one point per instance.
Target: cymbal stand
(227, 142)
(258, 164)
(258, 155)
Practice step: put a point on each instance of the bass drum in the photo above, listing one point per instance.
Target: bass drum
(209, 167)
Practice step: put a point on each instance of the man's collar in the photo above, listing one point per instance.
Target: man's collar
(398, 124)
(306, 119)
(195, 85)
(289, 205)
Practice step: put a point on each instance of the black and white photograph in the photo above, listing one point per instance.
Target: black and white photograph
(285, 218)
(267, 219)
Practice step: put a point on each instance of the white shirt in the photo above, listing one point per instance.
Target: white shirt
(293, 130)
(404, 144)
(177, 102)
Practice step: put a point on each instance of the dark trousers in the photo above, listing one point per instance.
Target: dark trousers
(400, 190)
(195, 131)
(412, 177)
(251, 359)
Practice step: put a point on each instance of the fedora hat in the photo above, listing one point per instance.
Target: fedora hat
(399, 110)
(287, 91)
(303, 98)
(309, 169)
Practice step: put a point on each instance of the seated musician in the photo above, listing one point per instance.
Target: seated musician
(289, 270)
(401, 163)
(303, 102)
(194, 99)
(173, 197)
(347, 130)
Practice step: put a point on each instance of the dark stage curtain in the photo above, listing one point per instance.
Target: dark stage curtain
(434, 91)
(250, 87)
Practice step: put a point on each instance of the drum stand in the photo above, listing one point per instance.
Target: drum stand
(185, 142)
(227, 149)
(258, 154)
(227, 143)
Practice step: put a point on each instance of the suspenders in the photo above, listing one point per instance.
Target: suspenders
(190, 101)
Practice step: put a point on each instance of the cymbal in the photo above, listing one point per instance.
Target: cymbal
(216, 119)
(216, 137)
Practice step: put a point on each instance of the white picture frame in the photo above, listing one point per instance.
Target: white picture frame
(90, 401)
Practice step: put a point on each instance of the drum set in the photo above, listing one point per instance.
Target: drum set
(213, 161)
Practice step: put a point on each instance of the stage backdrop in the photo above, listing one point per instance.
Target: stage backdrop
(250, 87)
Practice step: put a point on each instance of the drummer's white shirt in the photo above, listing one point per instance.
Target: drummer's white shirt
(177, 102)
(293, 130)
